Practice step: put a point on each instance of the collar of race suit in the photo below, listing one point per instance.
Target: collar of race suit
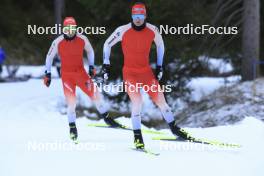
(67, 38)
(138, 28)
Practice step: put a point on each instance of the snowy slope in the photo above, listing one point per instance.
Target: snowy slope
(34, 141)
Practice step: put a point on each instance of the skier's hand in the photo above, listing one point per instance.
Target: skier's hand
(106, 72)
(92, 71)
(47, 79)
(159, 72)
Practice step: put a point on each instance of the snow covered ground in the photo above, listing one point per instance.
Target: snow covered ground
(34, 141)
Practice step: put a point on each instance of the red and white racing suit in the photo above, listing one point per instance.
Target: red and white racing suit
(136, 47)
(72, 70)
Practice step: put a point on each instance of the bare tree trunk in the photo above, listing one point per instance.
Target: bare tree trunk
(250, 39)
(59, 10)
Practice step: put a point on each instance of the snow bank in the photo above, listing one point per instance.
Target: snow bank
(217, 64)
(226, 105)
(30, 70)
(203, 86)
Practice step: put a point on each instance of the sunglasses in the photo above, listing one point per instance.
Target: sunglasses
(138, 16)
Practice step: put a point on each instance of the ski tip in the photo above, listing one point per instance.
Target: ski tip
(201, 141)
(221, 144)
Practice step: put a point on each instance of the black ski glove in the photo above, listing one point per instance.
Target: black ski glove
(92, 71)
(106, 71)
(159, 72)
(47, 78)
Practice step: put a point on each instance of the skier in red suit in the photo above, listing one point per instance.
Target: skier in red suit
(70, 47)
(136, 39)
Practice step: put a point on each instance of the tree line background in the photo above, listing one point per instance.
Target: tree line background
(21, 48)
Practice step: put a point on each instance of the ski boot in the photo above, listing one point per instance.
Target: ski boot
(73, 131)
(179, 132)
(110, 121)
(138, 139)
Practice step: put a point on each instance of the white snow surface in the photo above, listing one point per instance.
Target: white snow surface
(34, 141)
